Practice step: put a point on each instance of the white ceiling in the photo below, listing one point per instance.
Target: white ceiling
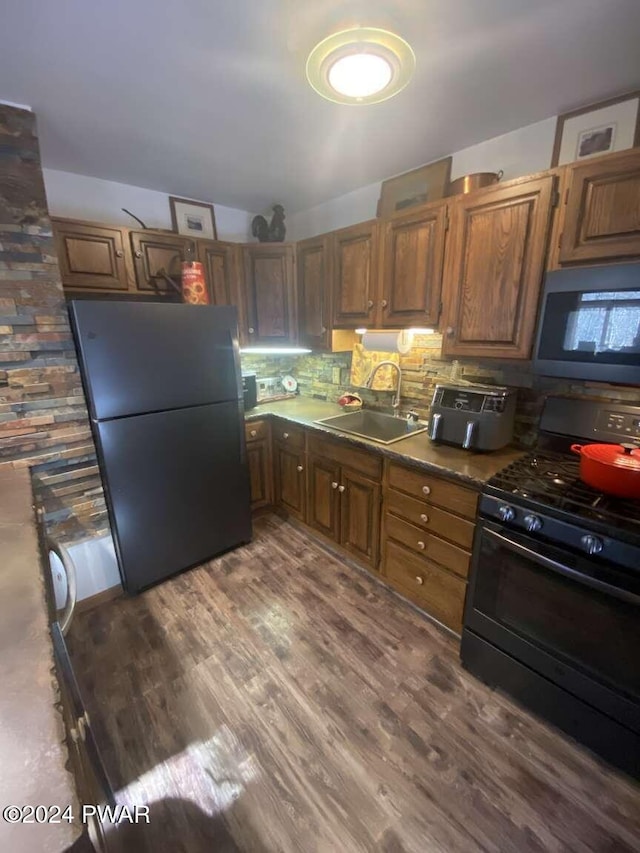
(208, 98)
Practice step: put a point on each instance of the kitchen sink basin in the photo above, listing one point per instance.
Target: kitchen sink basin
(373, 425)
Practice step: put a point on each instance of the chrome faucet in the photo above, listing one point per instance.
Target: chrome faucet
(396, 398)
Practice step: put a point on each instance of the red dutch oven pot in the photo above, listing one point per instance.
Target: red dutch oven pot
(611, 468)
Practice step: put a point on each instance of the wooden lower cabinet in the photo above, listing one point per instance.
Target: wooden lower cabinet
(426, 540)
(258, 435)
(290, 479)
(344, 497)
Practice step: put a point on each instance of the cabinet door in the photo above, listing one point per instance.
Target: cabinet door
(411, 267)
(314, 293)
(493, 270)
(323, 510)
(360, 516)
(355, 252)
(602, 214)
(154, 253)
(217, 259)
(260, 473)
(269, 294)
(290, 480)
(91, 257)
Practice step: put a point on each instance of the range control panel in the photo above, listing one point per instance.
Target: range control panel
(624, 424)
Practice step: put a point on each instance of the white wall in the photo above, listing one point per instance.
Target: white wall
(81, 197)
(518, 153)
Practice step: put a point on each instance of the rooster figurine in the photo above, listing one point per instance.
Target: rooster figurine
(270, 233)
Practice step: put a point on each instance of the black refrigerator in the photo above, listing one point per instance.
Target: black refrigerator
(165, 398)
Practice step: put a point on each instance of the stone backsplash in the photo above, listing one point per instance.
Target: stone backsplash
(43, 416)
(326, 377)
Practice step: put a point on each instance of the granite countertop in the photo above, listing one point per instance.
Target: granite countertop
(472, 469)
(31, 728)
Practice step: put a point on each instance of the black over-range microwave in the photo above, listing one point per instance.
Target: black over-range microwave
(590, 324)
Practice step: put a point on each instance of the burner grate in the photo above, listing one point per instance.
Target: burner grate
(553, 479)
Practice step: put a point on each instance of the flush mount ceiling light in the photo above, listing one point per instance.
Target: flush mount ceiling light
(360, 66)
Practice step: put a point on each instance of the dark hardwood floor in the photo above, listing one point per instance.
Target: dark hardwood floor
(277, 699)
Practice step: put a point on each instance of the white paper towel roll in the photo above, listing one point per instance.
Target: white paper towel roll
(387, 341)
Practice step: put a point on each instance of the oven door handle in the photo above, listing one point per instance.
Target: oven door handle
(548, 563)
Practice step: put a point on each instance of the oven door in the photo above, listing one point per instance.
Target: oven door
(573, 619)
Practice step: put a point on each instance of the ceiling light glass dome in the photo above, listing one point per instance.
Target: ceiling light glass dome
(360, 66)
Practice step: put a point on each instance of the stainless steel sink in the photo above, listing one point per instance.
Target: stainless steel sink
(375, 426)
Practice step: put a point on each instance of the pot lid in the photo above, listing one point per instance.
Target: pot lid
(625, 456)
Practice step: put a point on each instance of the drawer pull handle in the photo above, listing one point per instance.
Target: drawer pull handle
(424, 518)
(421, 545)
(253, 433)
(419, 580)
(285, 435)
(334, 485)
(341, 489)
(426, 490)
(299, 468)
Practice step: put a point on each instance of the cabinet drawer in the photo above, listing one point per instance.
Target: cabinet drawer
(256, 430)
(287, 434)
(428, 545)
(433, 490)
(433, 589)
(369, 464)
(430, 518)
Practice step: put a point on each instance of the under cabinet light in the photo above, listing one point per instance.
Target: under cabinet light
(274, 350)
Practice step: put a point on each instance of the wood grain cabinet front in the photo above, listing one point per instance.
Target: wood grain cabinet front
(269, 295)
(411, 259)
(157, 255)
(495, 259)
(290, 479)
(218, 260)
(91, 257)
(601, 215)
(259, 457)
(426, 541)
(314, 293)
(354, 274)
(343, 500)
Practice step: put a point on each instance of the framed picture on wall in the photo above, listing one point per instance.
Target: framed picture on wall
(612, 125)
(193, 218)
(428, 183)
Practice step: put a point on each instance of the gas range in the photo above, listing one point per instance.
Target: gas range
(543, 494)
(552, 613)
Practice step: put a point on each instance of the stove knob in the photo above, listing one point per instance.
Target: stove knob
(591, 544)
(506, 513)
(532, 523)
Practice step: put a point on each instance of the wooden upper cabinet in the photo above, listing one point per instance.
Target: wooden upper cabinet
(355, 255)
(412, 255)
(154, 253)
(602, 211)
(493, 269)
(218, 261)
(91, 257)
(269, 293)
(314, 293)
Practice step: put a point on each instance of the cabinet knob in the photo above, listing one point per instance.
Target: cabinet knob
(424, 518)
(253, 433)
(285, 435)
(421, 544)
(450, 331)
(334, 485)
(299, 468)
(323, 330)
(419, 580)
(370, 303)
(341, 489)
(426, 490)
(251, 330)
(384, 303)
(138, 253)
(119, 253)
